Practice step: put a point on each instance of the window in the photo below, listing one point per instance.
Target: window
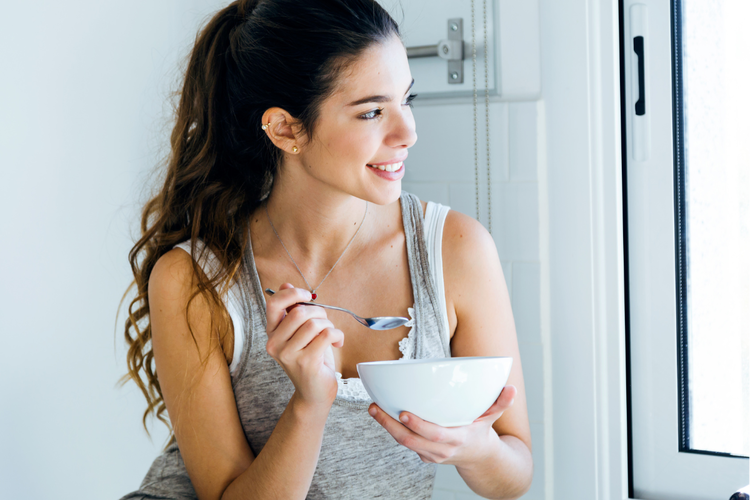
(687, 172)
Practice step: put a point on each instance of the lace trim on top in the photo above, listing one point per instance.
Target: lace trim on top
(351, 389)
(406, 344)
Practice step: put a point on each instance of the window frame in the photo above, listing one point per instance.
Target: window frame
(662, 466)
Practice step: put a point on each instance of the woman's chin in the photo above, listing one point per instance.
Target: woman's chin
(384, 195)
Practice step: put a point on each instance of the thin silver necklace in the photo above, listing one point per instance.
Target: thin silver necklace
(313, 290)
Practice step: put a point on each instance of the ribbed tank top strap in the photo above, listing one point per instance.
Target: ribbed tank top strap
(429, 318)
(254, 310)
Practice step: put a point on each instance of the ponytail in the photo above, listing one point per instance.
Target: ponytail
(251, 56)
(196, 201)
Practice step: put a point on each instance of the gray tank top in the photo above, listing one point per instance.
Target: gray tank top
(358, 458)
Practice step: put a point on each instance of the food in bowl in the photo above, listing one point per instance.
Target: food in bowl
(449, 392)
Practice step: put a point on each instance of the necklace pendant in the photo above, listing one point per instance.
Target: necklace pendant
(312, 291)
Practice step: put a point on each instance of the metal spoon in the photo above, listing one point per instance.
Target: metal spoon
(380, 323)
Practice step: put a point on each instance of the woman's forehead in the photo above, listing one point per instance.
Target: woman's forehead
(381, 70)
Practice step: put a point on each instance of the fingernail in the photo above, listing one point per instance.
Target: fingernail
(373, 411)
(405, 419)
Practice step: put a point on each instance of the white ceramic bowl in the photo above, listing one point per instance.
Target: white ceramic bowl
(447, 391)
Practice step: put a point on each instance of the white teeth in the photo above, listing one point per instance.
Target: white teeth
(392, 167)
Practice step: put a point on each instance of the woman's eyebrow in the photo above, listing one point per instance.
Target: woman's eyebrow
(378, 98)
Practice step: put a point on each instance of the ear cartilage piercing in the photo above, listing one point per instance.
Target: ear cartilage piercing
(265, 125)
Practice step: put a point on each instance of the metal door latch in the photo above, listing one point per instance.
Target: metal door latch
(452, 50)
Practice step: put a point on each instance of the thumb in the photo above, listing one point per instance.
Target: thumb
(287, 286)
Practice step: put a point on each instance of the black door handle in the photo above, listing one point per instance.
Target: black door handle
(640, 105)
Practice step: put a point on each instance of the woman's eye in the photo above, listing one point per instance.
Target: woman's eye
(370, 115)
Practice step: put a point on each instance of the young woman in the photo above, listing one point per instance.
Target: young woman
(291, 134)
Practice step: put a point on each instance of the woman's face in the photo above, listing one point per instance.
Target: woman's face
(366, 122)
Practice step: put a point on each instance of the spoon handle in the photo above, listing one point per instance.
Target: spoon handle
(359, 320)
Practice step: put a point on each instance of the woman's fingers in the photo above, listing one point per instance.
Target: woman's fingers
(277, 304)
(502, 403)
(300, 339)
(405, 436)
(325, 339)
(307, 332)
(430, 431)
(287, 329)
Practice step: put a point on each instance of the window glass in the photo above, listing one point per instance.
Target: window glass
(715, 223)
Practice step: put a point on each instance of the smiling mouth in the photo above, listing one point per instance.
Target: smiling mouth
(391, 167)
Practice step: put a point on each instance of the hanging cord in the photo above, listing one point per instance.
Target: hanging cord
(474, 86)
(487, 119)
(486, 112)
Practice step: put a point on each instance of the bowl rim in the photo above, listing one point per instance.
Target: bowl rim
(432, 360)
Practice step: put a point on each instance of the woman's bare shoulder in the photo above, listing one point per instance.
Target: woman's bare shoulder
(176, 272)
(172, 274)
(173, 284)
(471, 265)
(465, 237)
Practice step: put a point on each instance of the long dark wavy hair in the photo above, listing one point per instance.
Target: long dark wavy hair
(251, 56)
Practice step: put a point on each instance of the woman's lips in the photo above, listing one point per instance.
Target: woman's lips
(386, 174)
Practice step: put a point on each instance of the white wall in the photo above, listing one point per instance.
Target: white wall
(82, 94)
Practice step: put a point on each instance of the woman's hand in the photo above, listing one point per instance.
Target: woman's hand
(301, 340)
(460, 446)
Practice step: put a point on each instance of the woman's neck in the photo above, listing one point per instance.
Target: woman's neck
(315, 222)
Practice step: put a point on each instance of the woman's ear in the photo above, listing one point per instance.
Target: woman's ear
(283, 130)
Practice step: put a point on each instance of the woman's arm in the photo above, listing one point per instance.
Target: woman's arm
(197, 390)
(493, 454)
(477, 292)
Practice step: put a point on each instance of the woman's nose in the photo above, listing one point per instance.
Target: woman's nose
(403, 133)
